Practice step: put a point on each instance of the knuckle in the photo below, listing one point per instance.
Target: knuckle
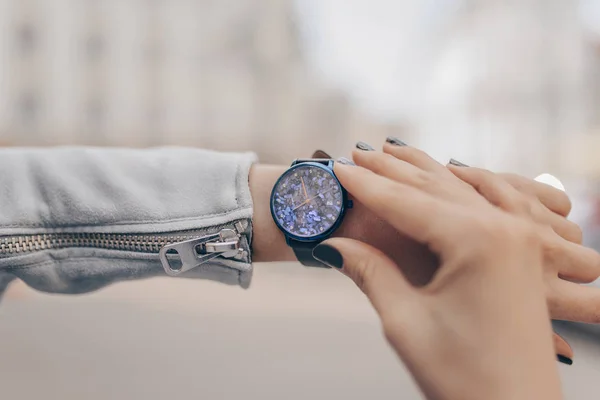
(564, 201)
(553, 253)
(393, 330)
(595, 263)
(490, 191)
(517, 181)
(552, 300)
(530, 236)
(364, 274)
(423, 179)
(574, 232)
(483, 176)
(380, 162)
(503, 231)
(394, 326)
(410, 154)
(521, 204)
(417, 153)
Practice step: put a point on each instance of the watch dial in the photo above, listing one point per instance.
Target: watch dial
(307, 201)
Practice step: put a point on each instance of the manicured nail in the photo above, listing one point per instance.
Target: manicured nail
(395, 141)
(457, 163)
(345, 161)
(564, 360)
(364, 146)
(328, 255)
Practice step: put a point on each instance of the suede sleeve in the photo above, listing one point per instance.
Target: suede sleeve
(117, 191)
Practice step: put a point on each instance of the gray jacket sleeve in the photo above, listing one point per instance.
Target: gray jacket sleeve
(73, 220)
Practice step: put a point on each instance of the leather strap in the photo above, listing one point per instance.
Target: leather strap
(321, 154)
(324, 161)
(303, 253)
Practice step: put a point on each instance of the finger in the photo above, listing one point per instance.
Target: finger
(494, 189)
(573, 262)
(389, 166)
(400, 171)
(412, 212)
(374, 273)
(502, 194)
(574, 302)
(566, 229)
(556, 200)
(561, 347)
(416, 157)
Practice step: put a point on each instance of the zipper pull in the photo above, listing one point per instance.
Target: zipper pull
(178, 258)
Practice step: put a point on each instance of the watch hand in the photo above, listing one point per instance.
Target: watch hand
(301, 204)
(304, 188)
(312, 198)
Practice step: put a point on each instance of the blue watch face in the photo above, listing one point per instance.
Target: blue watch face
(307, 201)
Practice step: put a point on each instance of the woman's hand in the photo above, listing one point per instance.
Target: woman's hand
(480, 328)
(566, 262)
(417, 262)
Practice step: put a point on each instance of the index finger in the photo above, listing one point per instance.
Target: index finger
(411, 211)
(555, 200)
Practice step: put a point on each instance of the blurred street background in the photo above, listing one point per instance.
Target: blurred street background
(506, 85)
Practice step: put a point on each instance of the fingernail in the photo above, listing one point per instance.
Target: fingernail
(456, 163)
(364, 146)
(328, 255)
(395, 141)
(564, 360)
(345, 161)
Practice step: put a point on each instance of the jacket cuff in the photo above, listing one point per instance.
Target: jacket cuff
(95, 193)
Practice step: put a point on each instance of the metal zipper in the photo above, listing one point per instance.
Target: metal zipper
(178, 251)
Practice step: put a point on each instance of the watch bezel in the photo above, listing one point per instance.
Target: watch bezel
(336, 224)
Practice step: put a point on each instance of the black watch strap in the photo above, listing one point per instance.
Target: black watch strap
(303, 253)
(324, 161)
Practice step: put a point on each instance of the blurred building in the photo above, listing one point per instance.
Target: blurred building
(224, 74)
(512, 82)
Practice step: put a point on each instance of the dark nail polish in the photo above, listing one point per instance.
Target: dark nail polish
(328, 255)
(395, 141)
(456, 163)
(345, 161)
(364, 146)
(564, 360)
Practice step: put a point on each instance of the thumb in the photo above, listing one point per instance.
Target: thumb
(563, 350)
(374, 273)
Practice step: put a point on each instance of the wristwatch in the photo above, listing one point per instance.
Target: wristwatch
(308, 204)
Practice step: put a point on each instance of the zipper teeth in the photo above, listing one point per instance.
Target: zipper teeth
(124, 242)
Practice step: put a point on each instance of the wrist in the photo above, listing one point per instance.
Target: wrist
(268, 242)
